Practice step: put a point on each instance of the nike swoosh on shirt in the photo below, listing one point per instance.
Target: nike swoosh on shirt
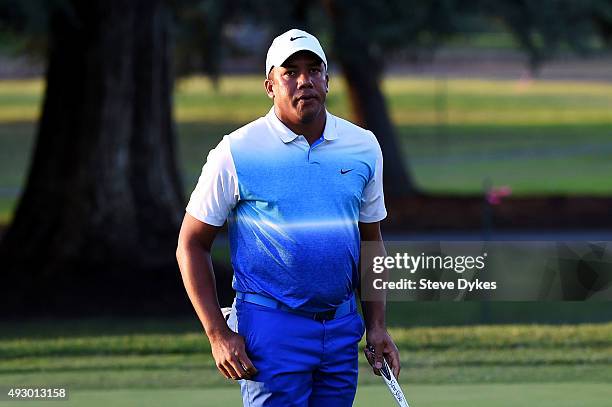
(295, 38)
(345, 171)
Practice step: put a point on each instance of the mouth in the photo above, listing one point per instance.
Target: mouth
(306, 98)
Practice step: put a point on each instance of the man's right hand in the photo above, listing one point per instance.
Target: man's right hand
(230, 356)
(193, 256)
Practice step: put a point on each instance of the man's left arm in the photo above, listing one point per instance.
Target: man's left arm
(374, 310)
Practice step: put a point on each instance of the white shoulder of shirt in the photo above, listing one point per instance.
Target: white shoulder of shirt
(355, 132)
(216, 192)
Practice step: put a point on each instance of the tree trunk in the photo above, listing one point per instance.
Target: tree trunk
(96, 226)
(370, 110)
(362, 71)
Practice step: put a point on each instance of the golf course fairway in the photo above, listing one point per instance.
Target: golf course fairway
(419, 395)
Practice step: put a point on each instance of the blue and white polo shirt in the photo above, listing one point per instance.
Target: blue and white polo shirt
(293, 209)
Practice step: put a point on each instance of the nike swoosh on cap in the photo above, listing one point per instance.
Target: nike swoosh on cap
(295, 38)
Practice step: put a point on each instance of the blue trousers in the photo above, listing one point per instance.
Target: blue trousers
(301, 362)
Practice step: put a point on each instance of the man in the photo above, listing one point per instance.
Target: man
(299, 188)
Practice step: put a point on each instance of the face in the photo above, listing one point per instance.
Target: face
(298, 88)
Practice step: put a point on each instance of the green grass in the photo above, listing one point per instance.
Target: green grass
(434, 395)
(399, 314)
(430, 355)
(145, 357)
(155, 362)
(539, 138)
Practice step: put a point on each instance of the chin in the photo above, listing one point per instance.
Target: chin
(309, 115)
(306, 118)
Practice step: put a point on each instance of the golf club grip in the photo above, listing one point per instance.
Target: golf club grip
(393, 385)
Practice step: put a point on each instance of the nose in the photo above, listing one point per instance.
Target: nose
(304, 80)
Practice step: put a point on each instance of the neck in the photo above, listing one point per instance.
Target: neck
(311, 130)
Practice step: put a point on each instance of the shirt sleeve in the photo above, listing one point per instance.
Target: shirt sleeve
(216, 193)
(373, 198)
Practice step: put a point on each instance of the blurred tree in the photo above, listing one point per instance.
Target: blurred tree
(544, 27)
(199, 36)
(362, 49)
(601, 13)
(24, 26)
(101, 210)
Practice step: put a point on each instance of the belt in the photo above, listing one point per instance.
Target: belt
(343, 309)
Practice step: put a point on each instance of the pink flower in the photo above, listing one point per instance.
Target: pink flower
(494, 195)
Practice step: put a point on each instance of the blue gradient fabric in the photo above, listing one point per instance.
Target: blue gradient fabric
(293, 209)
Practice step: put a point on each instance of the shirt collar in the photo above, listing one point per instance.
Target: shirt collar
(285, 133)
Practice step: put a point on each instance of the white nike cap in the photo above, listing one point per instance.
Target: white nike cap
(288, 44)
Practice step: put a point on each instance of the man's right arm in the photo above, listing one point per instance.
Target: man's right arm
(193, 256)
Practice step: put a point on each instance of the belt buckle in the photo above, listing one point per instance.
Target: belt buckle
(325, 316)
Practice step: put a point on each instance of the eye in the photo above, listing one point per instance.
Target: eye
(289, 73)
(315, 70)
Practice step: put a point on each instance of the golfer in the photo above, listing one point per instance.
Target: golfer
(300, 189)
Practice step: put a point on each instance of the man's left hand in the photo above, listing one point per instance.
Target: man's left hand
(380, 340)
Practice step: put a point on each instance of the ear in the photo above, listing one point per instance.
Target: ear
(326, 83)
(268, 84)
